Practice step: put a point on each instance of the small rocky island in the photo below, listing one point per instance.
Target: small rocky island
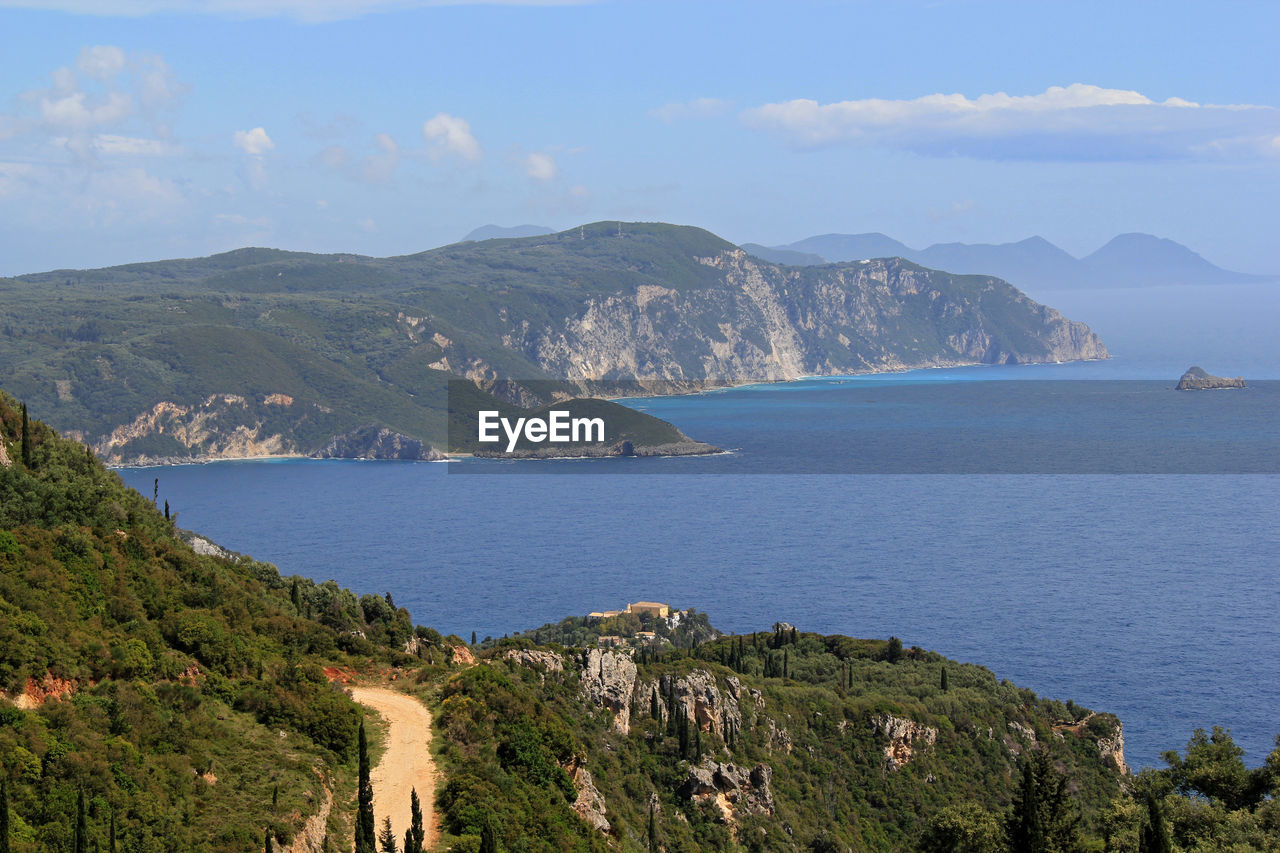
(1196, 379)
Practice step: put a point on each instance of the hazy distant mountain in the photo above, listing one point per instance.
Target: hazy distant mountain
(1140, 260)
(837, 248)
(494, 232)
(786, 257)
(1031, 262)
(1130, 260)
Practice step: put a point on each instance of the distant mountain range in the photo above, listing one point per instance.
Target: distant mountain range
(1129, 260)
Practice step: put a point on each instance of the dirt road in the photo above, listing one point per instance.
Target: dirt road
(406, 763)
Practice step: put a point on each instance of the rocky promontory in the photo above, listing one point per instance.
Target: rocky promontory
(1197, 379)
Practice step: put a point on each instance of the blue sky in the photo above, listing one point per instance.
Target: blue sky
(141, 129)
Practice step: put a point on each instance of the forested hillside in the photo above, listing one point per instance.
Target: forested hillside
(180, 696)
(259, 352)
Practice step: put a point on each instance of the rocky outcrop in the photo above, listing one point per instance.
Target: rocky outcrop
(769, 322)
(1111, 749)
(220, 426)
(36, 693)
(700, 697)
(589, 804)
(310, 839)
(1197, 379)
(4, 456)
(905, 738)
(734, 788)
(375, 442)
(608, 680)
(536, 659)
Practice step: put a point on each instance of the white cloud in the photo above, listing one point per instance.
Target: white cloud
(304, 10)
(541, 166)
(380, 167)
(10, 176)
(76, 112)
(697, 108)
(101, 62)
(132, 146)
(446, 134)
(254, 142)
(1077, 122)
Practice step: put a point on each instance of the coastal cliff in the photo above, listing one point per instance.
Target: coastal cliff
(264, 353)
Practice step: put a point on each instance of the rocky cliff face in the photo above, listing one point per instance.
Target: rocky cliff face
(608, 679)
(769, 322)
(375, 442)
(904, 739)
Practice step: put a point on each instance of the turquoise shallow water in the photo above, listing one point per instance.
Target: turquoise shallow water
(1152, 596)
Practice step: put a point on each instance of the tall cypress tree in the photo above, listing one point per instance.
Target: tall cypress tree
(269, 844)
(653, 830)
(4, 815)
(81, 844)
(366, 832)
(415, 835)
(1154, 835)
(488, 837)
(945, 685)
(26, 438)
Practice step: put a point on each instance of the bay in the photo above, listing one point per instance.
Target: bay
(1153, 596)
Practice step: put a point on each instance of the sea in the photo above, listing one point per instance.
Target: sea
(1081, 529)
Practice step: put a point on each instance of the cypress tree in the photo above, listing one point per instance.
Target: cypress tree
(81, 844)
(1154, 835)
(26, 438)
(473, 638)
(683, 728)
(4, 815)
(415, 835)
(1026, 835)
(270, 845)
(653, 830)
(295, 595)
(387, 838)
(786, 664)
(166, 510)
(488, 838)
(366, 832)
(945, 685)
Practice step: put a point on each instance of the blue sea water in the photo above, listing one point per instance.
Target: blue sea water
(1153, 596)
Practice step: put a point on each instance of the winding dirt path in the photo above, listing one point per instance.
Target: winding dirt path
(406, 764)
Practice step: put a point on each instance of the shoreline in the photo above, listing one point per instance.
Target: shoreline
(451, 456)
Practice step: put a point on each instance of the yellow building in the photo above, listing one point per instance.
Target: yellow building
(653, 608)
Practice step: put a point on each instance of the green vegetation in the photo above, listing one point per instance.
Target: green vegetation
(194, 708)
(158, 699)
(258, 343)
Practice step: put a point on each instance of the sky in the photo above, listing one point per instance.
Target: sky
(134, 130)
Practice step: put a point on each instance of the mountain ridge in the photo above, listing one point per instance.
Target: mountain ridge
(1127, 260)
(261, 351)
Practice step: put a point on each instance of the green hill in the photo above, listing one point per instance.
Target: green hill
(260, 351)
(183, 694)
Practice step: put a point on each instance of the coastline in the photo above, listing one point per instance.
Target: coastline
(451, 456)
